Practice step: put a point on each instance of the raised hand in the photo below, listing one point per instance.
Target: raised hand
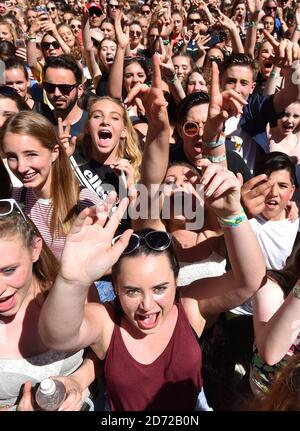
(88, 253)
(122, 36)
(68, 142)
(254, 193)
(286, 52)
(223, 105)
(222, 189)
(151, 100)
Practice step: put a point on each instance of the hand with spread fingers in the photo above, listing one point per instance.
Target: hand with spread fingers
(254, 193)
(88, 253)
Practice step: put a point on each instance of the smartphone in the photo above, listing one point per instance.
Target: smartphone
(41, 9)
(20, 43)
(214, 39)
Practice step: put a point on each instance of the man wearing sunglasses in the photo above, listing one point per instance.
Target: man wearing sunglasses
(95, 14)
(62, 83)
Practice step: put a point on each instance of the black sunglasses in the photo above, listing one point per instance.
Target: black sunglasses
(271, 8)
(64, 89)
(6, 90)
(96, 12)
(158, 240)
(132, 33)
(196, 20)
(145, 12)
(114, 6)
(46, 45)
(49, 9)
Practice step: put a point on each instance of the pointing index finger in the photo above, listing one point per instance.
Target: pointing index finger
(156, 75)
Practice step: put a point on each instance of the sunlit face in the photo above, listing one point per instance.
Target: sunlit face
(75, 25)
(176, 4)
(290, 120)
(106, 127)
(266, 53)
(52, 10)
(135, 35)
(240, 12)
(108, 30)
(268, 23)
(144, 23)
(31, 16)
(67, 36)
(182, 66)
(5, 33)
(279, 196)
(15, 78)
(196, 83)
(192, 146)
(29, 160)
(194, 23)
(8, 108)
(107, 52)
(177, 23)
(134, 74)
(60, 101)
(52, 51)
(186, 4)
(15, 274)
(67, 17)
(147, 294)
(240, 79)
(270, 7)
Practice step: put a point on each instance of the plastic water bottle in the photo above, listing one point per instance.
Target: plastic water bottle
(50, 394)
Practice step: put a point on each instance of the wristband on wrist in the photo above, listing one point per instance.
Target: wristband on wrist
(173, 79)
(253, 24)
(297, 27)
(274, 75)
(31, 38)
(166, 42)
(296, 291)
(216, 159)
(215, 144)
(232, 221)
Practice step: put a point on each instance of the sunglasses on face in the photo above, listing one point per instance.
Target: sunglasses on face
(73, 26)
(156, 240)
(145, 12)
(64, 89)
(271, 8)
(6, 90)
(133, 33)
(7, 206)
(196, 21)
(96, 12)
(114, 6)
(46, 45)
(191, 129)
(51, 9)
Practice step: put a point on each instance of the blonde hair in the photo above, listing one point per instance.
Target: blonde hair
(64, 189)
(11, 28)
(128, 147)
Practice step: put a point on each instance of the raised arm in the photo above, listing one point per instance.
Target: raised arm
(218, 294)
(115, 79)
(226, 22)
(255, 8)
(276, 321)
(66, 322)
(90, 59)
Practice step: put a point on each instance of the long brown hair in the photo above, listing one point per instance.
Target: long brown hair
(64, 188)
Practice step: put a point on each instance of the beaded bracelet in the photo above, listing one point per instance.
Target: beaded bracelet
(216, 159)
(214, 144)
(232, 221)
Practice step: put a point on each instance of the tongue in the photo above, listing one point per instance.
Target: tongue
(148, 319)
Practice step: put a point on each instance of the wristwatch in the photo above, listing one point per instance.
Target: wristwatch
(296, 291)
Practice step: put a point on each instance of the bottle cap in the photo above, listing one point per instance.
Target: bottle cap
(47, 386)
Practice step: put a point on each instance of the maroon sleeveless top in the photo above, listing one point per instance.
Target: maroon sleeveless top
(172, 382)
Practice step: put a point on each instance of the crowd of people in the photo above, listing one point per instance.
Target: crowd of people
(149, 195)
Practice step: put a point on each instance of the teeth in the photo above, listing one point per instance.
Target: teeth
(28, 176)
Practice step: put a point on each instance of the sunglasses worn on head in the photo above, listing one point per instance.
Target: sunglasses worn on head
(192, 21)
(64, 89)
(6, 90)
(190, 128)
(7, 207)
(158, 240)
(46, 45)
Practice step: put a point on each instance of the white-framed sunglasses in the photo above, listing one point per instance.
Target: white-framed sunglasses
(7, 207)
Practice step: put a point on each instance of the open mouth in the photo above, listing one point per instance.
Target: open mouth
(271, 203)
(109, 59)
(147, 321)
(28, 177)
(288, 127)
(7, 303)
(268, 65)
(105, 136)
